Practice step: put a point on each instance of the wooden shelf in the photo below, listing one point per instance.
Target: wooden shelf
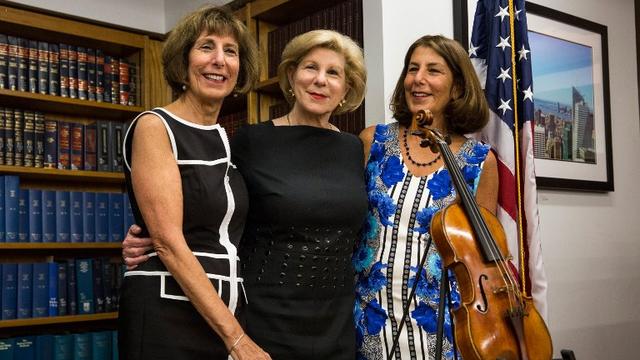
(270, 86)
(281, 12)
(67, 106)
(59, 246)
(31, 173)
(57, 320)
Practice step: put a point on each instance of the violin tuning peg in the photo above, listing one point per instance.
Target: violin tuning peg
(425, 143)
(419, 133)
(447, 139)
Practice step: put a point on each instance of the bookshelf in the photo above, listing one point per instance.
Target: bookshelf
(274, 23)
(145, 89)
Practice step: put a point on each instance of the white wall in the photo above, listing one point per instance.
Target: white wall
(591, 242)
(176, 9)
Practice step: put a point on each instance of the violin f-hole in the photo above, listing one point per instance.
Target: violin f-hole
(484, 295)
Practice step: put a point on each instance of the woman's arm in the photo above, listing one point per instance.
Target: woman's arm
(157, 185)
(487, 194)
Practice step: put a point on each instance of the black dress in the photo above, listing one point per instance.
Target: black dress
(307, 205)
(156, 320)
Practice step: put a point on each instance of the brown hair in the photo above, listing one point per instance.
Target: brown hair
(464, 114)
(355, 71)
(214, 20)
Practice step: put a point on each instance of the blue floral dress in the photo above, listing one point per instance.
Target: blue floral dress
(394, 238)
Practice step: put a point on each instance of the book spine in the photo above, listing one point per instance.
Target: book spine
(25, 348)
(7, 348)
(77, 140)
(82, 73)
(44, 347)
(40, 290)
(124, 82)
(115, 81)
(98, 285)
(38, 157)
(107, 78)
(4, 61)
(81, 346)
(9, 146)
(12, 63)
(49, 216)
(84, 279)
(62, 288)
(108, 282)
(50, 144)
(104, 146)
(89, 216)
(11, 195)
(90, 146)
(76, 221)
(133, 87)
(62, 216)
(91, 74)
(128, 213)
(64, 70)
(73, 72)
(52, 294)
(3, 119)
(116, 217)
(2, 212)
(23, 64)
(99, 75)
(63, 347)
(33, 66)
(72, 295)
(102, 217)
(25, 292)
(64, 145)
(54, 70)
(117, 130)
(101, 345)
(18, 137)
(9, 291)
(35, 215)
(23, 215)
(43, 67)
(29, 135)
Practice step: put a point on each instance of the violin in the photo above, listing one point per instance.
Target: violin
(495, 320)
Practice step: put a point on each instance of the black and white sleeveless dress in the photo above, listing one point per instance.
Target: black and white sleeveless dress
(157, 321)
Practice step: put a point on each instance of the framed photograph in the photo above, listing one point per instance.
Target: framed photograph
(572, 115)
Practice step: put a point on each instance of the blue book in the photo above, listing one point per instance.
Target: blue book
(44, 347)
(40, 290)
(62, 347)
(25, 291)
(84, 284)
(2, 220)
(101, 345)
(102, 217)
(7, 348)
(81, 346)
(114, 345)
(9, 291)
(116, 217)
(48, 216)
(35, 215)
(75, 218)
(128, 213)
(98, 286)
(53, 288)
(11, 194)
(62, 216)
(62, 288)
(23, 215)
(89, 216)
(72, 303)
(25, 348)
(108, 282)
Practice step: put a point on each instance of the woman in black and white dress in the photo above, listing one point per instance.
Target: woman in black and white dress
(186, 302)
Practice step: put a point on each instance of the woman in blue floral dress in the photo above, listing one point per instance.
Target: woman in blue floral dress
(406, 185)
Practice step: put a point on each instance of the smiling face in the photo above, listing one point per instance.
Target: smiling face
(213, 67)
(319, 82)
(428, 83)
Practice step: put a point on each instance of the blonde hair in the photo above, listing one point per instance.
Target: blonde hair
(355, 71)
(214, 20)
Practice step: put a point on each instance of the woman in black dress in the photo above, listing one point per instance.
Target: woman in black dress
(307, 205)
(188, 198)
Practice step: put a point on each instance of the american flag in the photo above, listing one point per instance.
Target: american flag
(499, 50)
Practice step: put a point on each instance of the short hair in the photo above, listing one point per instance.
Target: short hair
(465, 114)
(355, 71)
(214, 20)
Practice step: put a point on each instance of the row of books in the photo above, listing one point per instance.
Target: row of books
(232, 122)
(66, 70)
(344, 17)
(28, 138)
(66, 287)
(99, 345)
(34, 215)
(352, 122)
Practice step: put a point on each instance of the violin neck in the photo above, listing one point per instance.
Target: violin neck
(488, 245)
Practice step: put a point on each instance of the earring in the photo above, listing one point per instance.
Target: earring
(291, 93)
(342, 102)
(184, 87)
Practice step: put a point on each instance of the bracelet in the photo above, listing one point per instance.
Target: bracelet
(235, 343)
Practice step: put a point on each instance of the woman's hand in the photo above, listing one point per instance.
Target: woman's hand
(246, 349)
(134, 248)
